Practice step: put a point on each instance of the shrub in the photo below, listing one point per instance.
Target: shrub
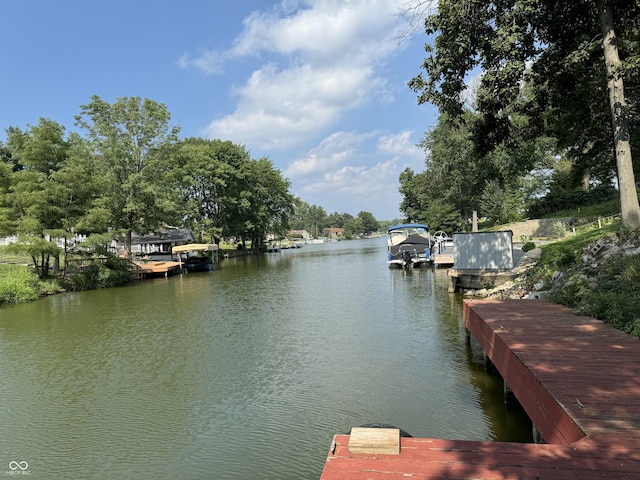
(95, 274)
(528, 246)
(18, 285)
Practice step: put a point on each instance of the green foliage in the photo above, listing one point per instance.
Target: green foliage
(39, 249)
(445, 217)
(562, 199)
(611, 294)
(528, 246)
(498, 205)
(97, 272)
(134, 146)
(315, 220)
(17, 285)
(604, 209)
(559, 229)
(542, 93)
(369, 222)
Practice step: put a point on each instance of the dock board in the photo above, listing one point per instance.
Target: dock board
(577, 378)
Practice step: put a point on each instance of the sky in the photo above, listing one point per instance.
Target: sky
(317, 86)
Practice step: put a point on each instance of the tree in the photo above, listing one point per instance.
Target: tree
(34, 201)
(209, 178)
(353, 227)
(621, 132)
(271, 204)
(369, 222)
(132, 139)
(311, 218)
(7, 225)
(556, 39)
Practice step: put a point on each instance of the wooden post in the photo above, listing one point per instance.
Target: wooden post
(509, 397)
(488, 364)
(537, 438)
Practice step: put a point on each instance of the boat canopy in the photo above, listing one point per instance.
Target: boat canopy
(408, 225)
(195, 247)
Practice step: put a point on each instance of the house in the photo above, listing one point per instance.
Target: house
(300, 234)
(335, 232)
(157, 242)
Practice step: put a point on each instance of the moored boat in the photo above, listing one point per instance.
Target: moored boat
(197, 257)
(409, 245)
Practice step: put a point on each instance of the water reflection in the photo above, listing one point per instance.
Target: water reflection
(244, 372)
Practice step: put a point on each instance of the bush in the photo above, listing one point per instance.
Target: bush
(528, 246)
(18, 285)
(95, 274)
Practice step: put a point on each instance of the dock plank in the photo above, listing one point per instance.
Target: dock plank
(577, 378)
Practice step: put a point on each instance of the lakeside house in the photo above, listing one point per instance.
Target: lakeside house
(157, 242)
(301, 234)
(335, 233)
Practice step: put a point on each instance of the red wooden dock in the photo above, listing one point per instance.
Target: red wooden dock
(578, 380)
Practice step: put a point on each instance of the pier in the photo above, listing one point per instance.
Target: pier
(577, 378)
(154, 269)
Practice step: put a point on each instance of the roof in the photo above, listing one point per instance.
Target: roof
(195, 247)
(171, 235)
(408, 225)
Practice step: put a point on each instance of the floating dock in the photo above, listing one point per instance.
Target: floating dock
(577, 378)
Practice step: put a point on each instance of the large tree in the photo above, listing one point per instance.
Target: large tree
(550, 44)
(207, 180)
(132, 139)
(270, 203)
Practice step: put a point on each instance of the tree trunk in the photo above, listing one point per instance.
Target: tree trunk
(626, 181)
(127, 243)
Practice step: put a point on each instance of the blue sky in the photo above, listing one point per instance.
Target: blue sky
(318, 86)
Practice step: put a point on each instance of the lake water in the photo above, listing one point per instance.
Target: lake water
(245, 372)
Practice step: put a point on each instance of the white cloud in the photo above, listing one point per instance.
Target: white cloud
(401, 145)
(358, 170)
(322, 61)
(312, 62)
(280, 108)
(324, 30)
(332, 152)
(209, 62)
(352, 189)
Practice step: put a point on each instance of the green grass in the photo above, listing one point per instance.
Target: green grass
(20, 284)
(610, 291)
(7, 256)
(604, 209)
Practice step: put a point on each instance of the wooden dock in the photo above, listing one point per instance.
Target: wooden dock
(151, 268)
(578, 380)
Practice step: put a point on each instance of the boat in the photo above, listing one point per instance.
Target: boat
(442, 252)
(409, 245)
(196, 256)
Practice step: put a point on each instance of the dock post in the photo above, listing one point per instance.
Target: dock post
(453, 280)
(488, 364)
(537, 437)
(509, 397)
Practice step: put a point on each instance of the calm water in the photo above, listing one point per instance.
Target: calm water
(242, 373)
